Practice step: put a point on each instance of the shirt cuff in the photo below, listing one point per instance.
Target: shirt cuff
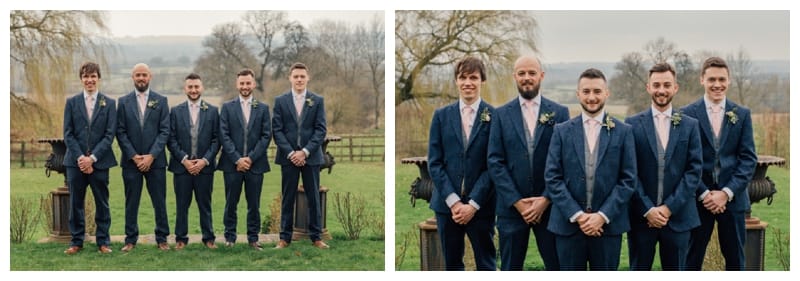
(703, 195)
(290, 155)
(207, 163)
(729, 192)
(648, 211)
(604, 217)
(451, 200)
(306, 151)
(474, 204)
(184, 158)
(94, 159)
(574, 217)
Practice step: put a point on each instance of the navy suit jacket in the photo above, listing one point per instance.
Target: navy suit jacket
(292, 134)
(615, 176)
(509, 162)
(180, 136)
(152, 139)
(460, 168)
(81, 136)
(683, 165)
(231, 133)
(737, 153)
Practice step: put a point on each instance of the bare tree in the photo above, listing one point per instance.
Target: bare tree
(374, 53)
(45, 48)
(265, 25)
(436, 38)
(226, 53)
(742, 76)
(296, 42)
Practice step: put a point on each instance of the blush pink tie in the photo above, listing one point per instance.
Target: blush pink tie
(661, 129)
(89, 106)
(195, 113)
(298, 104)
(591, 133)
(466, 120)
(246, 111)
(141, 103)
(716, 119)
(530, 118)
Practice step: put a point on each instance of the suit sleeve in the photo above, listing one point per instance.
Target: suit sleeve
(124, 142)
(174, 146)
(505, 188)
(70, 133)
(163, 129)
(640, 203)
(482, 189)
(746, 158)
(554, 175)
(320, 129)
(436, 156)
(685, 190)
(225, 134)
(278, 125)
(103, 147)
(214, 147)
(617, 202)
(260, 148)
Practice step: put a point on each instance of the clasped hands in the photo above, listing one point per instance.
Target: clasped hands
(143, 162)
(85, 164)
(658, 217)
(462, 213)
(591, 224)
(244, 163)
(715, 201)
(298, 158)
(532, 208)
(195, 166)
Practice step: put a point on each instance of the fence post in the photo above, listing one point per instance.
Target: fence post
(351, 147)
(22, 155)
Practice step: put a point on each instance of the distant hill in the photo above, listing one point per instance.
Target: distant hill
(157, 50)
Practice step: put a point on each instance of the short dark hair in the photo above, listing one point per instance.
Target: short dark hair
(193, 76)
(714, 62)
(592, 73)
(298, 65)
(89, 68)
(469, 65)
(662, 67)
(245, 72)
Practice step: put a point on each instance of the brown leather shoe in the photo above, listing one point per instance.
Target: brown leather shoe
(179, 246)
(320, 244)
(211, 245)
(104, 249)
(163, 246)
(281, 244)
(73, 250)
(229, 244)
(256, 246)
(128, 247)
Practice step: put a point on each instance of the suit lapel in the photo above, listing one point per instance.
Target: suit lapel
(303, 109)
(519, 126)
(674, 135)
(453, 114)
(726, 125)
(184, 114)
(544, 108)
(476, 124)
(82, 105)
(290, 104)
(147, 108)
(605, 138)
(577, 130)
(700, 112)
(650, 131)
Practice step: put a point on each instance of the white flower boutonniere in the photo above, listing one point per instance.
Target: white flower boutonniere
(152, 104)
(254, 103)
(203, 105)
(547, 118)
(486, 116)
(102, 101)
(676, 119)
(309, 102)
(609, 124)
(732, 117)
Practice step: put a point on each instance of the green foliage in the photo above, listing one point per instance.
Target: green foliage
(350, 213)
(25, 216)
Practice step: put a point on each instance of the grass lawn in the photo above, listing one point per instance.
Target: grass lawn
(407, 256)
(365, 179)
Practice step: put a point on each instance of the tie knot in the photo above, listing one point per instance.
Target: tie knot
(530, 103)
(661, 116)
(716, 108)
(90, 98)
(467, 110)
(591, 121)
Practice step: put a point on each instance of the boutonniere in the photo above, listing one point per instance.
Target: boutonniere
(732, 117)
(152, 104)
(203, 105)
(676, 119)
(254, 103)
(609, 124)
(102, 101)
(486, 116)
(547, 118)
(309, 102)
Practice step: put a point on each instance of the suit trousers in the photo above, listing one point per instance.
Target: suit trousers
(290, 177)
(202, 186)
(481, 236)
(731, 232)
(602, 253)
(514, 236)
(252, 194)
(673, 247)
(157, 189)
(98, 181)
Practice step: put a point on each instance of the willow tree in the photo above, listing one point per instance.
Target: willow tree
(46, 49)
(440, 38)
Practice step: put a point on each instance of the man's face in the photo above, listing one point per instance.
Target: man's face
(193, 89)
(245, 85)
(662, 88)
(592, 94)
(141, 78)
(299, 79)
(529, 75)
(469, 86)
(90, 81)
(715, 81)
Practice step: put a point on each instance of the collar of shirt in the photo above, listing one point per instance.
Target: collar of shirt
(189, 103)
(655, 111)
(709, 103)
(599, 117)
(86, 95)
(146, 93)
(241, 99)
(475, 105)
(295, 94)
(537, 100)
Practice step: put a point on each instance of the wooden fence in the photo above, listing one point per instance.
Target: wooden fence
(351, 148)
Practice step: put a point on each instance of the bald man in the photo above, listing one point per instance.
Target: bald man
(142, 133)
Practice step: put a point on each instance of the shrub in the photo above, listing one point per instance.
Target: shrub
(25, 218)
(350, 213)
(376, 221)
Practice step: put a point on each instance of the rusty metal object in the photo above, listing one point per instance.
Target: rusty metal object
(422, 187)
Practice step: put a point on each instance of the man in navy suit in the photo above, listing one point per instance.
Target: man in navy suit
(729, 160)
(669, 162)
(142, 133)
(590, 176)
(520, 138)
(90, 119)
(463, 197)
(245, 133)
(193, 144)
(299, 126)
